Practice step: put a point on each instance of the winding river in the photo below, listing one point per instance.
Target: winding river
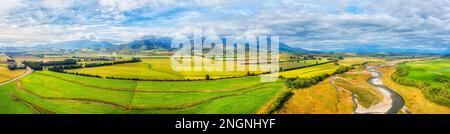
(396, 100)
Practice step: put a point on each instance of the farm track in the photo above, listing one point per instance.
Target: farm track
(144, 90)
(127, 107)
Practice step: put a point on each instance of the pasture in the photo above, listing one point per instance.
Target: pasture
(160, 69)
(310, 71)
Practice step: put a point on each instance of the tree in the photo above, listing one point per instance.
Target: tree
(207, 77)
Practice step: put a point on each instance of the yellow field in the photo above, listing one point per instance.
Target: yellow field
(348, 61)
(356, 81)
(6, 75)
(322, 98)
(414, 99)
(310, 71)
(149, 69)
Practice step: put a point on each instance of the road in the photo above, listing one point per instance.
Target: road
(29, 71)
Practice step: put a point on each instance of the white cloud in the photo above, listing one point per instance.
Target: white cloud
(310, 24)
(8, 5)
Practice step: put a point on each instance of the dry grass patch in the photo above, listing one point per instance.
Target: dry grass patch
(414, 98)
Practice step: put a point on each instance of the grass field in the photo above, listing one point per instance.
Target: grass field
(414, 98)
(43, 93)
(310, 71)
(322, 98)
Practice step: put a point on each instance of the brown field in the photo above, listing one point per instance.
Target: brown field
(322, 98)
(414, 99)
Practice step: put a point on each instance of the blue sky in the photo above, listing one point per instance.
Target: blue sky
(310, 24)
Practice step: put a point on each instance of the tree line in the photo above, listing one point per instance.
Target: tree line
(15, 66)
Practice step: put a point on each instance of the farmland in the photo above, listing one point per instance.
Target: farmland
(156, 69)
(5, 73)
(322, 98)
(42, 91)
(415, 100)
(429, 71)
(310, 71)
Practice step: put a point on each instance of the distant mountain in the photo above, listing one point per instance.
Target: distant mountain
(148, 44)
(75, 45)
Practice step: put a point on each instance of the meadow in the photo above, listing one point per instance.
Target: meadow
(414, 98)
(432, 76)
(43, 93)
(430, 71)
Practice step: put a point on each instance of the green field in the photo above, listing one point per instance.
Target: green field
(49, 92)
(156, 69)
(429, 71)
(432, 77)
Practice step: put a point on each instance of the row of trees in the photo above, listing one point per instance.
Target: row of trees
(299, 82)
(34, 65)
(61, 68)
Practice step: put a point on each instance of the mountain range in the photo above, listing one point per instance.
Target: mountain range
(164, 43)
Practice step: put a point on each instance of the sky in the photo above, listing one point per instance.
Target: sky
(310, 24)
